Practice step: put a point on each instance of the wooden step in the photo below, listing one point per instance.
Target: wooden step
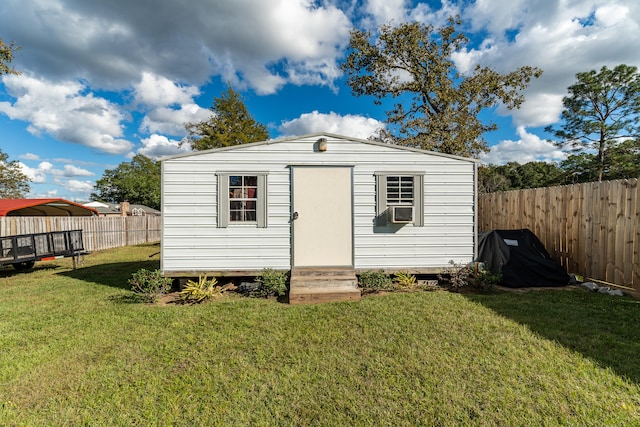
(310, 285)
(305, 295)
(322, 272)
(324, 282)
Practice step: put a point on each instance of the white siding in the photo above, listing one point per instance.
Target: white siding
(191, 240)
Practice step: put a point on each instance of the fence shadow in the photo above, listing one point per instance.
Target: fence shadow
(602, 328)
(116, 274)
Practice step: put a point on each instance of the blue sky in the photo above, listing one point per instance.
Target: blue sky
(102, 81)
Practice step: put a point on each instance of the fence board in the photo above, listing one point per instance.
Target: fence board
(98, 233)
(592, 229)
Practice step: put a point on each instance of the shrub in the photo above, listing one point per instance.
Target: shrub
(272, 283)
(149, 285)
(405, 280)
(485, 280)
(202, 290)
(375, 281)
(472, 276)
(455, 277)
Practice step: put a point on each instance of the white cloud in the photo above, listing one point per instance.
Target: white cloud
(37, 174)
(171, 121)
(158, 146)
(384, 11)
(496, 15)
(158, 91)
(264, 44)
(528, 148)
(349, 125)
(541, 109)
(422, 12)
(71, 171)
(171, 105)
(29, 156)
(562, 38)
(63, 111)
(75, 186)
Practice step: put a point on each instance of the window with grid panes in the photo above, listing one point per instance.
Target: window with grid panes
(243, 198)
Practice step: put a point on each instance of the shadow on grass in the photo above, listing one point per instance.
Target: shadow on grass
(115, 274)
(603, 328)
(127, 299)
(9, 271)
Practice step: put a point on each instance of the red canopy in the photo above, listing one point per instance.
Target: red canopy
(43, 207)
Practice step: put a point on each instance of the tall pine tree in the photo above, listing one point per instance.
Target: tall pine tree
(231, 124)
(601, 112)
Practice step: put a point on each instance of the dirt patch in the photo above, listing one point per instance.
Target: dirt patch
(170, 298)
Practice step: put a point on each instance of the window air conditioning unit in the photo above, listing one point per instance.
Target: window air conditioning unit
(401, 214)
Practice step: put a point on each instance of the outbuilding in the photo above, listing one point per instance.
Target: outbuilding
(319, 205)
(43, 207)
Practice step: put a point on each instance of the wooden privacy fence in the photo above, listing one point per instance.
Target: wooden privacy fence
(592, 229)
(97, 232)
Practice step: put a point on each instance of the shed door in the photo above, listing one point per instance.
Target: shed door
(323, 224)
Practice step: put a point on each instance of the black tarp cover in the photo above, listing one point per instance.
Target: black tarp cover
(521, 258)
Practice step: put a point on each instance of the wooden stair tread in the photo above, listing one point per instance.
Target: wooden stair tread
(310, 285)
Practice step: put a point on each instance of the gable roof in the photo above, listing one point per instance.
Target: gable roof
(43, 207)
(320, 135)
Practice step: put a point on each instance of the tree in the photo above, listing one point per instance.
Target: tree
(533, 174)
(491, 180)
(600, 112)
(6, 56)
(137, 182)
(414, 62)
(581, 167)
(231, 124)
(514, 176)
(624, 160)
(13, 183)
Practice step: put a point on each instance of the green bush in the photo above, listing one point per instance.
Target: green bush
(149, 285)
(202, 290)
(374, 281)
(272, 283)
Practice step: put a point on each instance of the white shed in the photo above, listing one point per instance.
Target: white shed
(316, 203)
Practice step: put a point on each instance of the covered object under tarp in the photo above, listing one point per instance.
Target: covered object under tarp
(521, 259)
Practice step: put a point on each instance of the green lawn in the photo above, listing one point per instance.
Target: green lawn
(75, 349)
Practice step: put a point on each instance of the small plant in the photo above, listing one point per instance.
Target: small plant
(485, 280)
(473, 276)
(149, 285)
(455, 277)
(202, 290)
(272, 283)
(375, 281)
(405, 280)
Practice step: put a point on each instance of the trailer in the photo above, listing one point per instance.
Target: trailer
(22, 251)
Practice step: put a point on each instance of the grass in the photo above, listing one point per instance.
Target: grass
(76, 350)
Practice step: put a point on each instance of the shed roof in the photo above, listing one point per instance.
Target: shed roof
(319, 135)
(43, 207)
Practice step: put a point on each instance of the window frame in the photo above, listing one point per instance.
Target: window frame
(382, 200)
(223, 199)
